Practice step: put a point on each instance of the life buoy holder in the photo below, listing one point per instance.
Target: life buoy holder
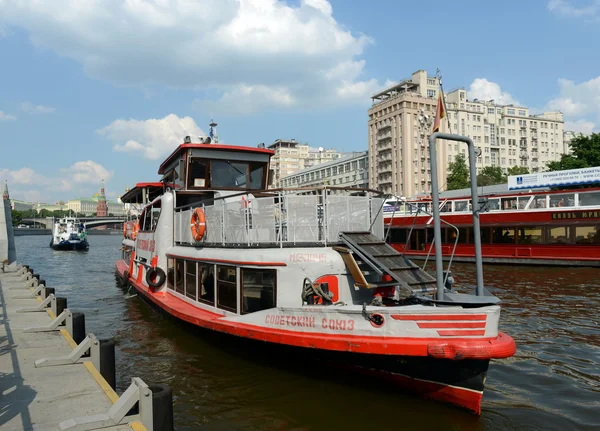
(198, 224)
(136, 229)
(155, 277)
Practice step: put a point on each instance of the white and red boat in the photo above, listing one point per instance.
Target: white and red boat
(557, 227)
(306, 268)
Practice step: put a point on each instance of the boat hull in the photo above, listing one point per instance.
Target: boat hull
(71, 245)
(457, 382)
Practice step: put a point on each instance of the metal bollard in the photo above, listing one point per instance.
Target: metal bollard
(162, 407)
(47, 292)
(107, 362)
(42, 281)
(61, 304)
(79, 333)
(36, 276)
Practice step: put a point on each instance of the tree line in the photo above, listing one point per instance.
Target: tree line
(19, 216)
(585, 153)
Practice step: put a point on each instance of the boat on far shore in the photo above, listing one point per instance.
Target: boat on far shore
(69, 233)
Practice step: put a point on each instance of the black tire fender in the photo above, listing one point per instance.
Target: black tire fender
(159, 273)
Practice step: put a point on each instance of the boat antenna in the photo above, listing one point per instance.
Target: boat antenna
(212, 131)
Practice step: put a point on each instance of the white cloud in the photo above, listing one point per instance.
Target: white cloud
(483, 89)
(580, 103)
(7, 117)
(36, 109)
(564, 7)
(26, 184)
(581, 126)
(287, 55)
(153, 138)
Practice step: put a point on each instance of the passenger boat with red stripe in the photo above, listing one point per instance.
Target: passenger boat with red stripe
(551, 227)
(304, 269)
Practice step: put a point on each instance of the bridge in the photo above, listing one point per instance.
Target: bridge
(89, 222)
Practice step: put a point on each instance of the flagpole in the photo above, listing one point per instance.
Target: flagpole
(439, 76)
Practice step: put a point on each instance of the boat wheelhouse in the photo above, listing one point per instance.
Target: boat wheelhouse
(304, 268)
(551, 227)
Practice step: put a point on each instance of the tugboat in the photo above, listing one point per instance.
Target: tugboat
(216, 247)
(69, 234)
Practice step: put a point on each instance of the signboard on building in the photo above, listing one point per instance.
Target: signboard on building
(569, 177)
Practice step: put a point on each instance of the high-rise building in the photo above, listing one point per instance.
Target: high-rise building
(401, 120)
(291, 156)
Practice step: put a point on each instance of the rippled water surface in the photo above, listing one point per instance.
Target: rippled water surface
(552, 383)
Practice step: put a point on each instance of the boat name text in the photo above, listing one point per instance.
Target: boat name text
(146, 244)
(308, 257)
(310, 322)
(566, 215)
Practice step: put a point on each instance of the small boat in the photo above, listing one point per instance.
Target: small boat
(69, 234)
(304, 268)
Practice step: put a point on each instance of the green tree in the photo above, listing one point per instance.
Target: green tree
(585, 153)
(490, 175)
(17, 217)
(517, 170)
(458, 174)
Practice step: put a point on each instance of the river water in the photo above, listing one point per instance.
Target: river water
(552, 383)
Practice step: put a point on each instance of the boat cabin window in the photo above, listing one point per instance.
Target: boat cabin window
(198, 173)
(237, 175)
(258, 289)
(149, 217)
(226, 288)
(562, 200)
(531, 235)
(589, 199)
(206, 286)
(504, 235)
(190, 279)
(175, 275)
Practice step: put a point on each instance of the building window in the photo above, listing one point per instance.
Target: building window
(431, 93)
(522, 113)
(510, 111)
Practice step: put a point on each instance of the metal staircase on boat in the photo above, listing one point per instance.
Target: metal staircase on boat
(376, 255)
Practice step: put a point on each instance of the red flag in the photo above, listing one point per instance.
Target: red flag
(439, 114)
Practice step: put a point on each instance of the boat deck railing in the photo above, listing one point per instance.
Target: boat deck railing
(284, 218)
(581, 200)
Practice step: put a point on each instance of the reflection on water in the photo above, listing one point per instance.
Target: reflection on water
(552, 383)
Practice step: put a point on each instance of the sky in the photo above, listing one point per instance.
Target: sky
(106, 89)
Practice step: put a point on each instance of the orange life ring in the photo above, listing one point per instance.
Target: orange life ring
(125, 229)
(198, 224)
(136, 229)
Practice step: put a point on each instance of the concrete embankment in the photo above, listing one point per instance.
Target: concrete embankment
(49, 381)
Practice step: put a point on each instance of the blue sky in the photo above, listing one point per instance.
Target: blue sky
(106, 89)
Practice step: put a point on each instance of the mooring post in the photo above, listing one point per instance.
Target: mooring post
(162, 407)
(59, 305)
(78, 330)
(107, 362)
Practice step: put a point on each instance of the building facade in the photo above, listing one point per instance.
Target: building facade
(348, 171)
(292, 156)
(401, 120)
(507, 135)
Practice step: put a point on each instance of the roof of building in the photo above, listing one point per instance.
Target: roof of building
(355, 155)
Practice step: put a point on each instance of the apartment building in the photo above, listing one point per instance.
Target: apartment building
(291, 156)
(507, 135)
(401, 120)
(348, 171)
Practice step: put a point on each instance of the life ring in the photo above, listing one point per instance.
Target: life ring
(155, 277)
(198, 224)
(136, 229)
(125, 229)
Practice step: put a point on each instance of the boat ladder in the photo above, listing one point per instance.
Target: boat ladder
(365, 254)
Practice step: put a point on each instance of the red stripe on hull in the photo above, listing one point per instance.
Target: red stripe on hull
(453, 325)
(467, 348)
(439, 317)
(460, 333)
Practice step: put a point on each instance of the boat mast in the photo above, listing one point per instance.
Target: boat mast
(437, 230)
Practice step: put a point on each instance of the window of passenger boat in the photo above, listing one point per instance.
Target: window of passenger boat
(206, 286)
(171, 273)
(559, 235)
(509, 203)
(587, 234)
(562, 200)
(258, 289)
(461, 205)
(149, 217)
(190, 279)
(176, 275)
(589, 199)
(504, 235)
(531, 235)
(226, 288)
(198, 173)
